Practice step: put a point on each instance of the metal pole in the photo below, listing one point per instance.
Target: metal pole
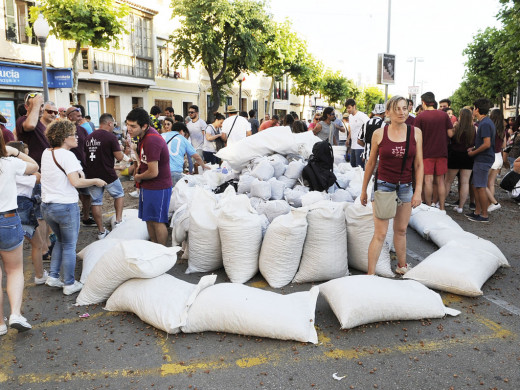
(414, 65)
(240, 95)
(44, 71)
(388, 41)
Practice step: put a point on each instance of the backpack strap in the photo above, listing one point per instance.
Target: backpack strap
(170, 140)
(233, 125)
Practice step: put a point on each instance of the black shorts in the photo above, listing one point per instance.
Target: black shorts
(459, 160)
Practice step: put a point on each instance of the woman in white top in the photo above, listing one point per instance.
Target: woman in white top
(61, 175)
(12, 163)
(212, 133)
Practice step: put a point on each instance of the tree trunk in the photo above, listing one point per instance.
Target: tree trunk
(501, 100)
(303, 107)
(75, 73)
(269, 105)
(215, 100)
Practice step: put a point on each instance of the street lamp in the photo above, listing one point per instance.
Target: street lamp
(41, 29)
(415, 60)
(241, 79)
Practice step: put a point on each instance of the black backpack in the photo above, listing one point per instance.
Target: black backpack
(319, 171)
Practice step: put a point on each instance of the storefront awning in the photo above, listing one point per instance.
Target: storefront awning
(31, 75)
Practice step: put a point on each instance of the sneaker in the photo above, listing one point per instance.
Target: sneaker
(89, 222)
(479, 218)
(116, 224)
(3, 328)
(102, 235)
(19, 323)
(73, 288)
(450, 203)
(134, 194)
(472, 206)
(458, 209)
(43, 279)
(54, 282)
(493, 207)
(402, 270)
(471, 215)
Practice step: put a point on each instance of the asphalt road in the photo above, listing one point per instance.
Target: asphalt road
(477, 350)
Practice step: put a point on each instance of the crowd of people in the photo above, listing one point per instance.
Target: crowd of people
(57, 160)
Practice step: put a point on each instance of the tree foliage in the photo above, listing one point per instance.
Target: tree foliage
(508, 52)
(308, 80)
(335, 87)
(225, 37)
(368, 98)
(96, 23)
(466, 94)
(284, 55)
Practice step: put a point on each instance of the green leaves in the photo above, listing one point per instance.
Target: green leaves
(335, 87)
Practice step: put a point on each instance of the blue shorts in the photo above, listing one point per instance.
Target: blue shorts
(115, 189)
(26, 211)
(480, 174)
(405, 192)
(154, 204)
(37, 197)
(11, 232)
(176, 176)
(83, 191)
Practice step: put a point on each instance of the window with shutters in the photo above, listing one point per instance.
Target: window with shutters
(17, 22)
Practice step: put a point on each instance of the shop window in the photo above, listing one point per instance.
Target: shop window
(162, 104)
(17, 22)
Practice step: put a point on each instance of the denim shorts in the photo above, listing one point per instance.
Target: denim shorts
(11, 232)
(480, 174)
(405, 192)
(26, 211)
(37, 197)
(115, 189)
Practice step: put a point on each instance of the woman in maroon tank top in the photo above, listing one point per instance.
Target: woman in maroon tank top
(388, 144)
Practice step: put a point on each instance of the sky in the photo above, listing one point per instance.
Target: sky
(347, 35)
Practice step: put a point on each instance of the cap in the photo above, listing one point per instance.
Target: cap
(346, 115)
(379, 109)
(71, 109)
(231, 109)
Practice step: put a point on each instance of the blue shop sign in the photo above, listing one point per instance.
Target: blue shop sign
(31, 76)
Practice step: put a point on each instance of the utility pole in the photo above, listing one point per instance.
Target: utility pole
(388, 41)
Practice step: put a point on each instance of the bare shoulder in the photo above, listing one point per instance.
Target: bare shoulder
(377, 136)
(418, 133)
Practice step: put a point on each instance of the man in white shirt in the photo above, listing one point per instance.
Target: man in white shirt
(235, 127)
(197, 128)
(356, 120)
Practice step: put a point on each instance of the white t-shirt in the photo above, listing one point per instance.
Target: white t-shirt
(356, 123)
(210, 146)
(238, 130)
(197, 133)
(25, 185)
(56, 187)
(10, 167)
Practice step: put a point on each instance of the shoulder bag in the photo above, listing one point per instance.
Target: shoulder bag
(58, 165)
(385, 203)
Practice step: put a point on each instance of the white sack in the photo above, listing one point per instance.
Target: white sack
(235, 308)
(341, 196)
(240, 229)
(289, 183)
(279, 164)
(261, 189)
(312, 197)
(354, 188)
(244, 184)
(277, 189)
(205, 251)
(263, 170)
(363, 299)
(264, 143)
(273, 208)
(92, 253)
(457, 269)
(441, 237)
(294, 169)
(255, 201)
(425, 218)
(162, 302)
(180, 225)
(181, 194)
(126, 260)
(131, 229)
(325, 250)
(360, 230)
(127, 215)
(282, 248)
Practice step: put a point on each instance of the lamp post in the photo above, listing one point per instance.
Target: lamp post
(41, 29)
(414, 60)
(241, 79)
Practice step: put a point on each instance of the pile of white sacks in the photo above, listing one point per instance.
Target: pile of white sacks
(275, 225)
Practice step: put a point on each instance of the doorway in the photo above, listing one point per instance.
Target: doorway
(111, 106)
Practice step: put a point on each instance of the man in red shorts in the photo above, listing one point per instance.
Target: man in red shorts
(434, 125)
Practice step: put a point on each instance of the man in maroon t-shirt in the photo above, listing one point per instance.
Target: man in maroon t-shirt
(7, 134)
(73, 114)
(153, 174)
(101, 147)
(434, 125)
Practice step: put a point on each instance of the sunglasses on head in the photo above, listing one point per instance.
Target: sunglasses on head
(30, 95)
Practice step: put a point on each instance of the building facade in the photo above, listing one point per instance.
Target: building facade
(137, 74)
